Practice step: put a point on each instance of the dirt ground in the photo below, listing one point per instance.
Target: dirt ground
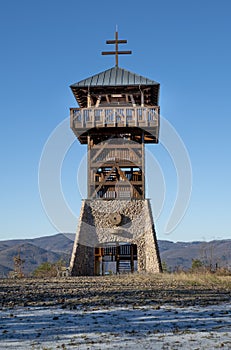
(120, 290)
(136, 311)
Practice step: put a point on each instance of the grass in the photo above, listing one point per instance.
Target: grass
(181, 279)
(202, 279)
(212, 279)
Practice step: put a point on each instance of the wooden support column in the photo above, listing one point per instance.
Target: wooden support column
(143, 167)
(142, 99)
(89, 167)
(117, 257)
(98, 101)
(132, 258)
(133, 101)
(88, 100)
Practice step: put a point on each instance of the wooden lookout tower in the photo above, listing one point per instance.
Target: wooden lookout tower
(118, 114)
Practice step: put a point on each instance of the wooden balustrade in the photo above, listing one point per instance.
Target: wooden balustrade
(114, 116)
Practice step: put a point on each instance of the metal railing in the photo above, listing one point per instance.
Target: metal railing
(114, 116)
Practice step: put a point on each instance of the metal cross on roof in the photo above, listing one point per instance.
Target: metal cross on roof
(116, 52)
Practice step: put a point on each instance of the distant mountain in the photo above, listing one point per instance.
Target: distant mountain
(180, 254)
(34, 252)
(4, 271)
(177, 255)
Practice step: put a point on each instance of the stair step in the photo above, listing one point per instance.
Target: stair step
(124, 266)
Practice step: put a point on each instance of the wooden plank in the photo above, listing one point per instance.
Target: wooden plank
(113, 183)
(119, 145)
(110, 164)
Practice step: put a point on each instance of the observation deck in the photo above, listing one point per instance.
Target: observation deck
(117, 120)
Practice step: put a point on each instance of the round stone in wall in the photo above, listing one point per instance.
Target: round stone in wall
(115, 218)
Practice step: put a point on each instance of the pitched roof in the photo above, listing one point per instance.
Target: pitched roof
(115, 76)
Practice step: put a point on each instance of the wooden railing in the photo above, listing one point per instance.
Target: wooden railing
(114, 116)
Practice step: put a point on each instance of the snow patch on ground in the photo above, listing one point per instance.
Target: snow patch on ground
(165, 327)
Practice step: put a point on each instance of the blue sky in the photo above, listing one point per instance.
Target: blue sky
(48, 45)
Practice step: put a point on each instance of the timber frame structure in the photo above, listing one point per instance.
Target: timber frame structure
(119, 114)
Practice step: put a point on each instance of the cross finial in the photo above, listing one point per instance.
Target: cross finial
(116, 52)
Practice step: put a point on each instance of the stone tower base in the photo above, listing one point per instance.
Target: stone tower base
(110, 221)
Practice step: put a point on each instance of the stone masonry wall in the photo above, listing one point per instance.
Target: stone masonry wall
(96, 226)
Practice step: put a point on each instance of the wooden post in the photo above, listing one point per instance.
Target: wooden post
(98, 101)
(143, 167)
(132, 258)
(88, 100)
(117, 257)
(89, 167)
(142, 99)
(103, 266)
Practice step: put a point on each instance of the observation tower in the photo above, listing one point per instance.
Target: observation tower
(118, 114)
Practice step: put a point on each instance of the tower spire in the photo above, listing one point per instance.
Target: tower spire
(116, 42)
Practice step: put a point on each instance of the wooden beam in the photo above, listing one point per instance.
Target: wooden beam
(100, 150)
(113, 183)
(119, 145)
(98, 101)
(125, 164)
(121, 173)
(103, 182)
